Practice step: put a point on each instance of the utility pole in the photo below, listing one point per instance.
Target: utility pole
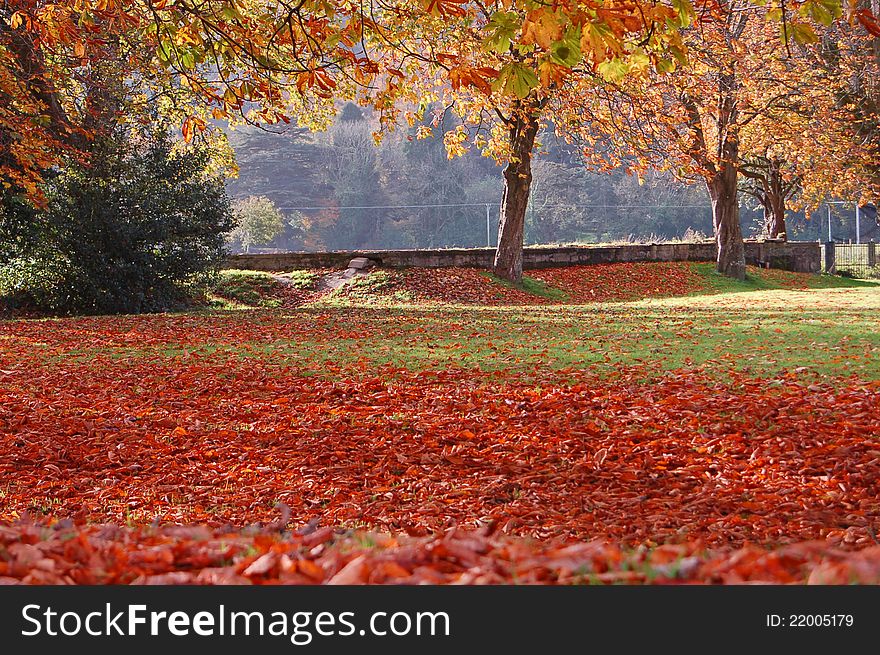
(488, 227)
(857, 223)
(829, 221)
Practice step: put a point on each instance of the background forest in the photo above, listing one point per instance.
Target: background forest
(339, 190)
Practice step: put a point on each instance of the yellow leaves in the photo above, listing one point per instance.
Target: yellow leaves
(19, 19)
(613, 70)
(639, 62)
(542, 27)
(455, 140)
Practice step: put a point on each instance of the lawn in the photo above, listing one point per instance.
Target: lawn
(724, 422)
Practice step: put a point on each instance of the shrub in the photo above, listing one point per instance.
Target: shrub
(126, 233)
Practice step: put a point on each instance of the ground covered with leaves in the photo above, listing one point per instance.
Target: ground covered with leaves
(595, 283)
(109, 554)
(722, 437)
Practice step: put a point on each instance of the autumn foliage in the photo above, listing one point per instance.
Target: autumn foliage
(688, 461)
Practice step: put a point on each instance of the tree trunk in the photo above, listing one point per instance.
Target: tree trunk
(517, 182)
(774, 218)
(774, 202)
(722, 184)
(731, 260)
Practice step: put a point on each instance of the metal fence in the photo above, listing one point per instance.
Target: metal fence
(851, 259)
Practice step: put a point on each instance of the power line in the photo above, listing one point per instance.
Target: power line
(484, 204)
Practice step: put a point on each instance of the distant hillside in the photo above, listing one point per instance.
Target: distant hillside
(406, 193)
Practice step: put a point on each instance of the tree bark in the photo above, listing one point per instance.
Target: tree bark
(722, 182)
(775, 193)
(731, 259)
(523, 128)
(774, 217)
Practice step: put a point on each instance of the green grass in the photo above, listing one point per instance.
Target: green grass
(532, 286)
(236, 288)
(817, 332)
(752, 326)
(301, 279)
(762, 279)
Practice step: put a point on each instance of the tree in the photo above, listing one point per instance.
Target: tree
(498, 70)
(257, 222)
(747, 103)
(193, 60)
(767, 183)
(502, 69)
(516, 66)
(351, 163)
(816, 133)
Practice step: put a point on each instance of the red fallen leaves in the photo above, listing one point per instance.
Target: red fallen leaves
(583, 284)
(466, 286)
(682, 458)
(107, 554)
(626, 281)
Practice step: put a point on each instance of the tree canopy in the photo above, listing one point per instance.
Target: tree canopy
(503, 69)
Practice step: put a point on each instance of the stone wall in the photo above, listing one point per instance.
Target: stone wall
(800, 256)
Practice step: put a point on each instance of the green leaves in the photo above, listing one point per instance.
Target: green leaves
(821, 11)
(801, 33)
(685, 12)
(567, 52)
(516, 79)
(503, 27)
(616, 69)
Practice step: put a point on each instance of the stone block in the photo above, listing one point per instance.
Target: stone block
(360, 263)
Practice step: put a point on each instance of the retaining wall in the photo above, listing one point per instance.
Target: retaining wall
(801, 256)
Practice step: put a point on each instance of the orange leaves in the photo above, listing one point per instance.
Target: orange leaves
(446, 8)
(89, 554)
(479, 78)
(582, 284)
(205, 438)
(616, 282)
(21, 19)
(192, 125)
(319, 81)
